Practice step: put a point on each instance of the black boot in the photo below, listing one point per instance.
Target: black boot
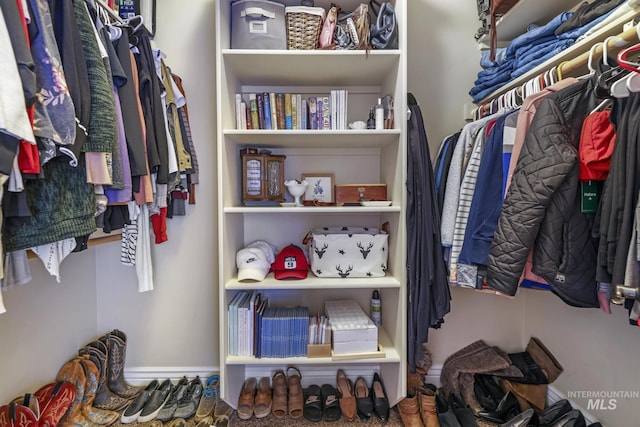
(487, 391)
(463, 413)
(506, 410)
(521, 420)
(446, 415)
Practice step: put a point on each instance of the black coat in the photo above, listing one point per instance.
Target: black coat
(427, 286)
(542, 207)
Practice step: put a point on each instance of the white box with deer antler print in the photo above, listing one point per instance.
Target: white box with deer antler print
(348, 252)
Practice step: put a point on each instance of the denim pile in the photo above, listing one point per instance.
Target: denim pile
(537, 45)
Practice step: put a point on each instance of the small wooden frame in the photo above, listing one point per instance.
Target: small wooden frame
(320, 191)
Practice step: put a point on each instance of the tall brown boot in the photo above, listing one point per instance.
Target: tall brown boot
(95, 415)
(105, 398)
(73, 373)
(409, 409)
(428, 411)
(544, 358)
(117, 347)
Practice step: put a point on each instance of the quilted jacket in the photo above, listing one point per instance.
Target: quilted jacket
(542, 206)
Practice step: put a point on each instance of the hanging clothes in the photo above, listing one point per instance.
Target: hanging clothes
(427, 288)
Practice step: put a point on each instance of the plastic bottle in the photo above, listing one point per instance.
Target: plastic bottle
(379, 115)
(371, 123)
(376, 308)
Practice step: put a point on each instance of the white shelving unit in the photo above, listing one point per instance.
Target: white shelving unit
(366, 156)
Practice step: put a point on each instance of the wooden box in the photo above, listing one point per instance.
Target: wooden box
(318, 350)
(353, 194)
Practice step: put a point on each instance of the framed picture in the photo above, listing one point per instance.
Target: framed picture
(320, 189)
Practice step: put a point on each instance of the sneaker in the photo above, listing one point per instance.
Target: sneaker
(155, 402)
(135, 408)
(166, 413)
(209, 397)
(190, 399)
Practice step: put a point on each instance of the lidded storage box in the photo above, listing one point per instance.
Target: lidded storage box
(258, 24)
(352, 330)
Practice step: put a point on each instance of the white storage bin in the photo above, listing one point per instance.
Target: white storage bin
(258, 24)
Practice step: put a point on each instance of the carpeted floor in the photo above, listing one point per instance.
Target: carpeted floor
(271, 421)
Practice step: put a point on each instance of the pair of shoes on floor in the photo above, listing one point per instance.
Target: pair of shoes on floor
(287, 393)
(370, 400)
(322, 403)
(348, 405)
(255, 398)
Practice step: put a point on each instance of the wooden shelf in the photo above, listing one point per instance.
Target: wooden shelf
(313, 282)
(526, 12)
(313, 138)
(613, 28)
(312, 210)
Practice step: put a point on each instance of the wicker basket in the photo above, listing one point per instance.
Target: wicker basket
(303, 26)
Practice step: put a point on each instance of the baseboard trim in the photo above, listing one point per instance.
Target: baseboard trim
(143, 375)
(553, 394)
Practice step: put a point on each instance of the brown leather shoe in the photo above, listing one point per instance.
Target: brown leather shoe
(428, 407)
(544, 358)
(347, 399)
(296, 400)
(409, 409)
(279, 400)
(246, 401)
(262, 406)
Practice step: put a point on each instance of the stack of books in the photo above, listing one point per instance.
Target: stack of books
(289, 111)
(258, 330)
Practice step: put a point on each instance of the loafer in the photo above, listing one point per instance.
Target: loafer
(364, 404)
(135, 408)
(347, 399)
(379, 398)
(188, 404)
(169, 408)
(155, 402)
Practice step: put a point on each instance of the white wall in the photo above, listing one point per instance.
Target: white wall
(176, 324)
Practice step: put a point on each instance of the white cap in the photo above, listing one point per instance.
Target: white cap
(254, 261)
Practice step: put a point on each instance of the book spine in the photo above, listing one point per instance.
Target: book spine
(280, 111)
(313, 122)
(260, 105)
(274, 114)
(267, 111)
(287, 111)
(305, 113)
(248, 117)
(239, 112)
(334, 110)
(326, 112)
(243, 115)
(294, 111)
(253, 103)
(299, 110)
(318, 117)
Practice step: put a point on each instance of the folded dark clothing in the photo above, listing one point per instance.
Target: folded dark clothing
(536, 44)
(535, 32)
(586, 13)
(552, 48)
(534, 62)
(580, 31)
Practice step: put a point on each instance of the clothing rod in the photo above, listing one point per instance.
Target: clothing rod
(110, 11)
(628, 36)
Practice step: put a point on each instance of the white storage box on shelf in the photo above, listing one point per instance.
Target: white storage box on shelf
(353, 331)
(258, 24)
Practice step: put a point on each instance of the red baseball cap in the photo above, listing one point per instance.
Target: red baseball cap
(291, 263)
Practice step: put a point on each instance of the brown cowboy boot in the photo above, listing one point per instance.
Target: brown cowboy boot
(73, 373)
(95, 415)
(117, 346)
(409, 409)
(428, 412)
(105, 398)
